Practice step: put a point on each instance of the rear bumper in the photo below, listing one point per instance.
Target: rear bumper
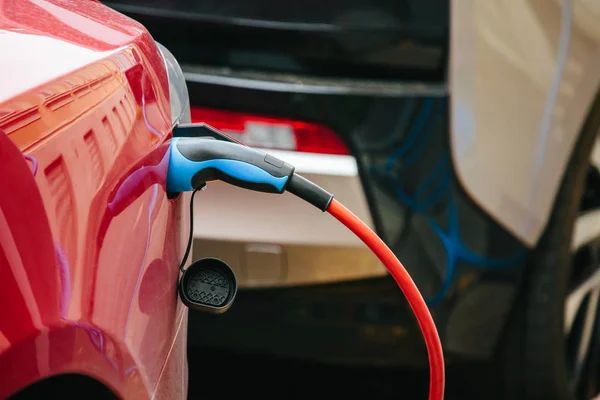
(344, 308)
(273, 241)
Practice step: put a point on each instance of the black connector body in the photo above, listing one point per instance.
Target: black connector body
(309, 192)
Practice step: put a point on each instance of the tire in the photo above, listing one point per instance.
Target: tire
(66, 387)
(532, 354)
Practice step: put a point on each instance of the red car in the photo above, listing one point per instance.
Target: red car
(90, 242)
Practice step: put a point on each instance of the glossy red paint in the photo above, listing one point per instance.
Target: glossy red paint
(89, 242)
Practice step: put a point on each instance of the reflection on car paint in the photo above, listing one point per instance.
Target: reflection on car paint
(65, 279)
(411, 137)
(34, 163)
(139, 180)
(152, 129)
(433, 189)
(143, 263)
(401, 126)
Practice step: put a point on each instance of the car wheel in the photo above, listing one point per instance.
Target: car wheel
(551, 346)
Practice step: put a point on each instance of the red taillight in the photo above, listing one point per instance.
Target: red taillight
(272, 133)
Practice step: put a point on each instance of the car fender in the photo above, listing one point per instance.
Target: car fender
(523, 76)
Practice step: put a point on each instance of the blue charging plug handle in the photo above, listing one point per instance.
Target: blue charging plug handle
(194, 161)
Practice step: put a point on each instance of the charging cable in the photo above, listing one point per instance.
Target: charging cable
(195, 161)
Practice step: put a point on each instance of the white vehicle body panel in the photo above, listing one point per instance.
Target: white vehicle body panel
(522, 77)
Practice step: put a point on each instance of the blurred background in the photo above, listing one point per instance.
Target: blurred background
(463, 132)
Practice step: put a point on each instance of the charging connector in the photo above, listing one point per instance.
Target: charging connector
(195, 161)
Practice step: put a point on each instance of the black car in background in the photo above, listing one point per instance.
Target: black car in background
(360, 87)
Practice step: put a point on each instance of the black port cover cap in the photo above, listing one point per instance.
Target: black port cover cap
(208, 285)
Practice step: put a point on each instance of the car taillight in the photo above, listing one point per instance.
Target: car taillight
(272, 133)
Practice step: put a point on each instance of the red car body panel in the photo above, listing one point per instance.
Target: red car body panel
(89, 242)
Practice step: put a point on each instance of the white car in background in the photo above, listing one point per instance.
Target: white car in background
(272, 241)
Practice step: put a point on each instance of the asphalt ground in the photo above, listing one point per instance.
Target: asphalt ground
(217, 374)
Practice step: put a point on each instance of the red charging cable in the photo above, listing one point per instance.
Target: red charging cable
(408, 287)
(198, 150)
